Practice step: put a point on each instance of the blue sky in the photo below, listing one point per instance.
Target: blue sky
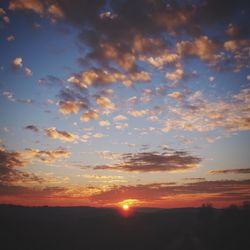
(105, 101)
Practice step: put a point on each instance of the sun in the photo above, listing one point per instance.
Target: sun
(125, 207)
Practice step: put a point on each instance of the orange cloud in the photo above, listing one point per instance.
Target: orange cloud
(104, 123)
(220, 193)
(89, 115)
(18, 62)
(120, 118)
(32, 5)
(61, 135)
(69, 107)
(176, 95)
(105, 102)
(202, 47)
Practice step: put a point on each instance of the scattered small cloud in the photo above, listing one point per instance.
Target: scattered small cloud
(17, 63)
(89, 115)
(61, 135)
(10, 38)
(32, 128)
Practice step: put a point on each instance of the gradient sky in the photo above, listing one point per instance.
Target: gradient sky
(141, 102)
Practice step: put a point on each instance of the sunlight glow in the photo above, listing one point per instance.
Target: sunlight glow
(125, 207)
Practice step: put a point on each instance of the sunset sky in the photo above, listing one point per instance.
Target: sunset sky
(112, 102)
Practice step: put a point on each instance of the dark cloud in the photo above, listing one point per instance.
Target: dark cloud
(9, 164)
(168, 160)
(9, 160)
(231, 171)
(28, 192)
(32, 128)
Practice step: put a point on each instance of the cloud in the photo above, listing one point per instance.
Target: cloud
(121, 125)
(197, 113)
(55, 11)
(10, 160)
(126, 60)
(98, 135)
(45, 156)
(2, 12)
(176, 75)
(104, 123)
(105, 102)
(72, 102)
(173, 195)
(104, 178)
(238, 54)
(10, 173)
(103, 77)
(69, 107)
(159, 61)
(141, 76)
(169, 160)
(231, 171)
(32, 5)
(233, 45)
(202, 47)
(102, 29)
(17, 63)
(96, 77)
(153, 118)
(11, 97)
(138, 113)
(49, 9)
(61, 135)
(10, 38)
(176, 95)
(211, 78)
(89, 115)
(120, 118)
(107, 14)
(32, 128)
(28, 71)
(26, 195)
(6, 19)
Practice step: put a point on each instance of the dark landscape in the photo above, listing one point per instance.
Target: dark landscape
(76, 228)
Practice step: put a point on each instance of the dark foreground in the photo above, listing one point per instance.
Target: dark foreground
(73, 228)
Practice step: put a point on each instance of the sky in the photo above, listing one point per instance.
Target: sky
(112, 102)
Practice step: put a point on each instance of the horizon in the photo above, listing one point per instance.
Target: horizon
(112, 103)
(133, 207)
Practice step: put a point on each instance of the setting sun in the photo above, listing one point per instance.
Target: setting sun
(125, 207)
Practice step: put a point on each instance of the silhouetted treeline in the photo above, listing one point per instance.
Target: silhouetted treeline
(79, 228)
